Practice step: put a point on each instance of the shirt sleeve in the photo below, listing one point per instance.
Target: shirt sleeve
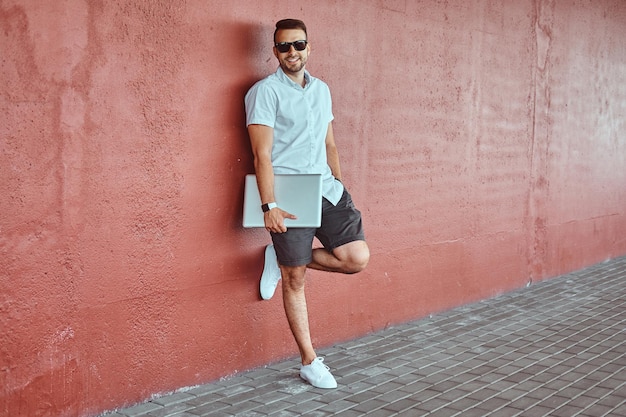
(261, 105)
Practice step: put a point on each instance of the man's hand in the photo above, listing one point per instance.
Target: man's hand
(275, 220)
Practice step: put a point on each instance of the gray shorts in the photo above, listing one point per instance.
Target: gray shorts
(341, 224)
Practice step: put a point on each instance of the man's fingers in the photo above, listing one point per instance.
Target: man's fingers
(288, 215)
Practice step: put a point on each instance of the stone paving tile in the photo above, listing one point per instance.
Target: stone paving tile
(140, 409)
(556, 348)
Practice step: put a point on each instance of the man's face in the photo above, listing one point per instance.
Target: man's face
(292, 61)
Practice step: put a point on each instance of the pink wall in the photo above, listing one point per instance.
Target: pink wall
(483, 141)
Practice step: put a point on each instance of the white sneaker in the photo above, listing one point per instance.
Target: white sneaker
(318, 374)
(271, 273)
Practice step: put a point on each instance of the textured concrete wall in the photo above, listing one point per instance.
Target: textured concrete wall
(483, 141)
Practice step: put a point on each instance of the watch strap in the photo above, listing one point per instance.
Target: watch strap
(268, 206)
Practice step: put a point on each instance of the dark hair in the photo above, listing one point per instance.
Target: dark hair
(289, 24)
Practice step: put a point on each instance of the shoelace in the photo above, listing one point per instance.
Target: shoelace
(321, 362)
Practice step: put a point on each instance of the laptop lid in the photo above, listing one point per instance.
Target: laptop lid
(298, 194)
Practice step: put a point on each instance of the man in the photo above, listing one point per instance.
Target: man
(289, 118)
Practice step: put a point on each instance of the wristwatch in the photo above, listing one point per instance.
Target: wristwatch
(268, 206)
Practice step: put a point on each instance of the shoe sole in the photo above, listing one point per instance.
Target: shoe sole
(270, 256)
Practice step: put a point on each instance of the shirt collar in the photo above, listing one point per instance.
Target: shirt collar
(286, 80)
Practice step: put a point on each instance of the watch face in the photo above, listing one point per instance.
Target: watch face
(268, 206)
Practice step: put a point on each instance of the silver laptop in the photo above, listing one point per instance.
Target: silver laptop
(298, 194)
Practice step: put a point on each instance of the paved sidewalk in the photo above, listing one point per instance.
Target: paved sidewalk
(557, 348)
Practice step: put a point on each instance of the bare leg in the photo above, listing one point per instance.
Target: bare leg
(295, 309)
(348, 259)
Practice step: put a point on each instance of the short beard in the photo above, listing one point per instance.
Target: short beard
(289, 70)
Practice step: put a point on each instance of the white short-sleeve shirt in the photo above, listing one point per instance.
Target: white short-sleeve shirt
(300, 117)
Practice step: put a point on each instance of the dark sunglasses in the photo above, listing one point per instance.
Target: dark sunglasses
(286, 46)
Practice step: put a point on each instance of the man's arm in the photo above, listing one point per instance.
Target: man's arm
(261, 140)
(332, 155)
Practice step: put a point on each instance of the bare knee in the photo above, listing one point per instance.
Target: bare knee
(358, 263)
(293, 277)
(354, 258)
